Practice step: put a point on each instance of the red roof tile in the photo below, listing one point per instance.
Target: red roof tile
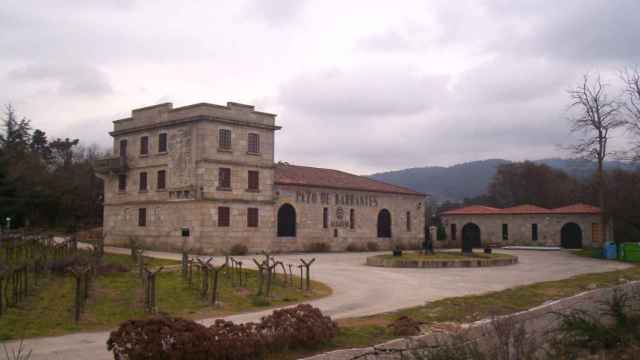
(577, 209)
(523, 209)
(473, 210)
(286, 174)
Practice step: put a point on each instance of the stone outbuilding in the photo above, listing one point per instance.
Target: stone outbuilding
(210, 169)
(573, 226)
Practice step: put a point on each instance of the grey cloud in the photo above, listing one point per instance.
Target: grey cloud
(506, 80)
(276, 12)
(580, 31)
(363, 92)
(69, 79)
(386, 41)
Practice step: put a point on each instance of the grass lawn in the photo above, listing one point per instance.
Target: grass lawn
(443, 255)
(370, 330)
(119, 296)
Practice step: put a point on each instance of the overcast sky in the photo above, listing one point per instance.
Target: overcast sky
(362, 86)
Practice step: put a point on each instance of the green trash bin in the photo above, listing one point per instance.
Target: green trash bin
(597, 253)
(630, 252)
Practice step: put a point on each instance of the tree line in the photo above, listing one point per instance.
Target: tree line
(46, 183)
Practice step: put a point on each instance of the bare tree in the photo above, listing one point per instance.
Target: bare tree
(596, 116)
(631, 90)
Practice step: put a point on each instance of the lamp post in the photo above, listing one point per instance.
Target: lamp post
(8, 220)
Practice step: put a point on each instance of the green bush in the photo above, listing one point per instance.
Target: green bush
(441, 234)
(318, 247)
(372, 246)
(239, 250)
(353, 247)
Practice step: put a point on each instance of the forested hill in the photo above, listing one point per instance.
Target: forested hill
(472, 178)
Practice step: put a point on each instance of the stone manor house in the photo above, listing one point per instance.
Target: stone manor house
(210, 169)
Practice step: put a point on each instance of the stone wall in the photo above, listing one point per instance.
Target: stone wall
(538, 323)
(519, 228)
(308, 204)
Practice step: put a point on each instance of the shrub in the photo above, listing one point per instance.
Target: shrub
(179, 339)
(318, 247)
(238, 250)
(405, 326)
(372, 246)
(353, 247)
(441, 233)
(161, 338)
(299, 326)
(237, 341)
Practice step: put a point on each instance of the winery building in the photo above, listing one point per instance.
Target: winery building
(573, 226)
(210, 169)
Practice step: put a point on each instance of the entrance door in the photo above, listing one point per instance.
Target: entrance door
(384, 224)
(286, 221)
(571, 236)
(470, 237)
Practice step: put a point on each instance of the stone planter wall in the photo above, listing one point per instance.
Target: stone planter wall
(539, 323)
(433, 263)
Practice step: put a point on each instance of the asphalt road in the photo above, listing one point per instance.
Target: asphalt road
(362, 290)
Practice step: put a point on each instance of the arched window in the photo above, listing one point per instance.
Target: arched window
(286, 221)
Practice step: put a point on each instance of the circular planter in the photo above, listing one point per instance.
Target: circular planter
(399, 262)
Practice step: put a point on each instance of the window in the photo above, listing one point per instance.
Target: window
(454, 232)
(143, 181)
(253, 142)
(122, 182)
(325, 217)
(162, 179)
(254, 180)
(505, 231)
(144, 145)
(162, 142)
(123, 148)
(534, 232)
(252, 217)
(223, 216)
(408, 220)
(352, 219)
(142, 217)
(224, 178)
(224, 139)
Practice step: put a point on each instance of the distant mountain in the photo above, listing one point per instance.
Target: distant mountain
(472, 178)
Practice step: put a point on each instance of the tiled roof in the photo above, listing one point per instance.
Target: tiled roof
(286, 174)
(577, 209)
(473, 210)
(523, 209)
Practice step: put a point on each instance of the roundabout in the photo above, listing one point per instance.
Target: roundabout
(441, 260)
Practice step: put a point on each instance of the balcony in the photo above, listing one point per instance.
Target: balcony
(114, 165)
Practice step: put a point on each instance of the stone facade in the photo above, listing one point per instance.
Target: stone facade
(536, 228)
(193, 196)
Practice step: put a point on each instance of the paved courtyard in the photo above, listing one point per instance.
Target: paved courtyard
(361, 290)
